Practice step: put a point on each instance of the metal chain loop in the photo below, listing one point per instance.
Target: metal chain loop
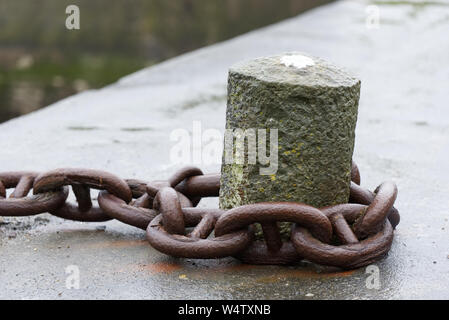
(19, 204)
(196, 245)
(134, 214)
(346, 235)
(373, 219)
(347, 256)
(179, 176)
(81, 181)
(168, 204)
(137, 213)
(355, 173)
(364, 196)
(268, 214)
(140, 212)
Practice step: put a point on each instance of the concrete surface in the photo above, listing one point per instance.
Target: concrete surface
(402, 134)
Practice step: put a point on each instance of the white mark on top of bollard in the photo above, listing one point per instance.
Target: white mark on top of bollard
(297, 61)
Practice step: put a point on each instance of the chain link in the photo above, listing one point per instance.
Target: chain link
(345, 235)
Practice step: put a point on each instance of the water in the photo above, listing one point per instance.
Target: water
(41, 61)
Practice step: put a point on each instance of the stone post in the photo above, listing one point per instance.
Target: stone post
(311, 105)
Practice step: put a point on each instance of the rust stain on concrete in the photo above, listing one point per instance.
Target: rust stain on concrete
(118, 244)
(233, 268)
(160, 267)
(153, 268)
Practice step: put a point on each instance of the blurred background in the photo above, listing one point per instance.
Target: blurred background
(42, 62)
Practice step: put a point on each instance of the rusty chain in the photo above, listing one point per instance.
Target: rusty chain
(347, 235)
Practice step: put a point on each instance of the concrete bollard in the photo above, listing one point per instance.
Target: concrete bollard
(308, 108)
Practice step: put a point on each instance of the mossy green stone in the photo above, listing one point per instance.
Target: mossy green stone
(314, 106)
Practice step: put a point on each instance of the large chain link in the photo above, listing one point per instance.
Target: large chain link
(345, 235)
